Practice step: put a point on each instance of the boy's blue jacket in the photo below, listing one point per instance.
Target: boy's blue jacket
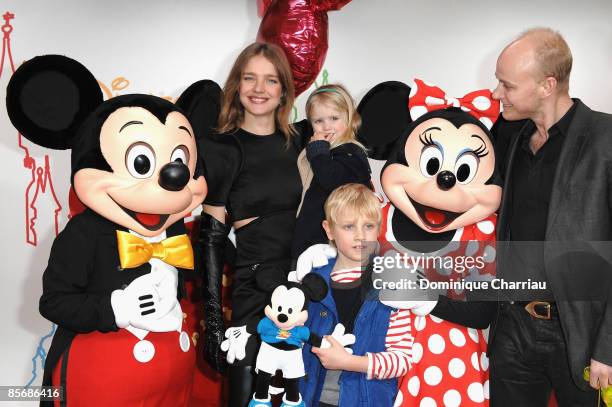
(270, 333)
(370, 330)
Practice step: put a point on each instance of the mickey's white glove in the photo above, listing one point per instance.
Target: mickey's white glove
(166, 282)
(150, 301)
(172, 321)
(342, 338)
(235, 344)
(169, 315)
(138, 301)
(317, 255)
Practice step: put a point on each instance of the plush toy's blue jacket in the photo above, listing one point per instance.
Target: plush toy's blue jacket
(270, 333)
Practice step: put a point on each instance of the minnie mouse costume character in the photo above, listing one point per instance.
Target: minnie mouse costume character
(443, 189)
(114, 276)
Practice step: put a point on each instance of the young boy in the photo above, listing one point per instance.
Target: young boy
(381, 352)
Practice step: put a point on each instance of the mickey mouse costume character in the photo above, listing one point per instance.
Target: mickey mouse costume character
(113, 279)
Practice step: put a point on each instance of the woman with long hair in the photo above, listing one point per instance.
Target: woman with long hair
(254, 183)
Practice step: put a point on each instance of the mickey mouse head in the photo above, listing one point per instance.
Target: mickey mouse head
(289, 301)
(134, 157)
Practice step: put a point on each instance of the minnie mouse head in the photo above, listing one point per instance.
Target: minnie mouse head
(441, 173)
(134, 157)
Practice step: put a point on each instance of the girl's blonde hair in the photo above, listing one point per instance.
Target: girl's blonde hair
(232, 111)
(356, 198)
(336, 96)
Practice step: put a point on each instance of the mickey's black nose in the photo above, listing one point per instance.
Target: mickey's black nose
(446, 180)
(174, 176)
(282, 318)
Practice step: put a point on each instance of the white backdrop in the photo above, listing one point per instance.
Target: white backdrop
(160, 47)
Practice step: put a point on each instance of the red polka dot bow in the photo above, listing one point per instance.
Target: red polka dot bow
(426, 98)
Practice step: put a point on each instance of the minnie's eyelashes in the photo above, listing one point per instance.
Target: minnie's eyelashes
(481, 151)
(426, 139)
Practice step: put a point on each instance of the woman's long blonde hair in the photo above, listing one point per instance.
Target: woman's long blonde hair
(232, 111)
(336, 96)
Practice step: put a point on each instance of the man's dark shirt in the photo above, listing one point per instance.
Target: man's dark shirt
(531, 189)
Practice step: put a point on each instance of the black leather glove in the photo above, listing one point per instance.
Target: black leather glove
(212, 245)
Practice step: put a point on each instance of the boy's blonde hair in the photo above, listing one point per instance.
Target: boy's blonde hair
(353, 197)
(336, 96)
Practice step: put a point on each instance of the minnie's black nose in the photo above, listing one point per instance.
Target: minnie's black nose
(446, 180)
(174, 176)
(282, 318)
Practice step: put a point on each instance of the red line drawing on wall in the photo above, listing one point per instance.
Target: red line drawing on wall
(40, 176)
(43, 179)
(6, 42)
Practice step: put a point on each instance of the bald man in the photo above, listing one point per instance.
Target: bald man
(555, 155)
(558, 186)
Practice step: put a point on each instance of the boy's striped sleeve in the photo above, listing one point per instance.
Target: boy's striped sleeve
(395, 360)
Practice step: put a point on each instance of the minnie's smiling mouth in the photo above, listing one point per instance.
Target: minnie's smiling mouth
(434, 218)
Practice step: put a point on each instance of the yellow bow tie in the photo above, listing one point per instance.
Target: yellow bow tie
(134, 251)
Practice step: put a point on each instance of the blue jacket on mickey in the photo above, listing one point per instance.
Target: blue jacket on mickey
(370, 330)
(270, 333)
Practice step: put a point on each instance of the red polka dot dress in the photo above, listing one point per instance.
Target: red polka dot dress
(449, 363)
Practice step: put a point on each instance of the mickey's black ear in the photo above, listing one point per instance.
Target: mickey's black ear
(385, 117)
(202, 104)
(314, 286)
(48, 98)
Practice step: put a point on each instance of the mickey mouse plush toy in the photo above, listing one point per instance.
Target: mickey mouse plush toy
(113, 277)
(283, 334)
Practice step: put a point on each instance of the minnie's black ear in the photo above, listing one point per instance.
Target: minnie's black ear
(385, 117)
(202, 104)
(314, 286)
(48, 98)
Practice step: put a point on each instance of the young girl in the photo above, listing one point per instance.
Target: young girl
(332, 158)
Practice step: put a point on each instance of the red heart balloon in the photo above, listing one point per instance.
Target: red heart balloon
(300, 28)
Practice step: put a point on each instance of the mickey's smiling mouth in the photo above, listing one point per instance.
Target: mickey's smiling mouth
(433, 218)
(150, 221)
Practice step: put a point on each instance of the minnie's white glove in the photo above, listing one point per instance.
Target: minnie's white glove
(423, 307)
(317, 255)
(418, 304)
